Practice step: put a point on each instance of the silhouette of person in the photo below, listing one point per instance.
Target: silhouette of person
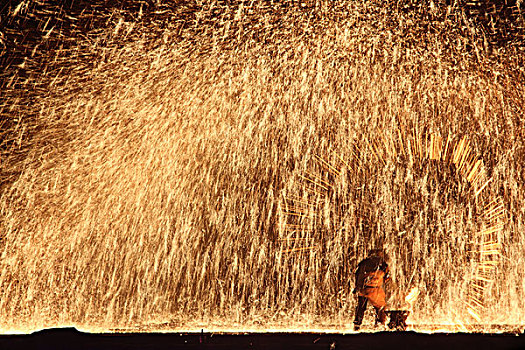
(370, 275)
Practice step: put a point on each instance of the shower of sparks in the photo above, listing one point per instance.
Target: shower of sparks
(198, 164)
(421, 147)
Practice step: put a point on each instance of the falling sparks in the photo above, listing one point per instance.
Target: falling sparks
(197, 165)
(459, 153)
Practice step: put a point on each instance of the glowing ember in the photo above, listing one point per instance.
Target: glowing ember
(412, 296)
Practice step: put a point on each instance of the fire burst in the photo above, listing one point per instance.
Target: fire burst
(157, 167)
(304, 212)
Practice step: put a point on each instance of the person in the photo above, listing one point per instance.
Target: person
(370, 275)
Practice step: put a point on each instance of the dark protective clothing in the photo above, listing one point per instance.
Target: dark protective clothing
(369, 278)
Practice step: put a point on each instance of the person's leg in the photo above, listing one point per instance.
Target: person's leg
(360, 311)
(377, 299)
(380, 316)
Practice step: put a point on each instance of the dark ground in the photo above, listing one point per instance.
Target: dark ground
(71, 339)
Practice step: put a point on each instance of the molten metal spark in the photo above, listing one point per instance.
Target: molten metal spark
(411, 297)
(328, 166)
(472, 311)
